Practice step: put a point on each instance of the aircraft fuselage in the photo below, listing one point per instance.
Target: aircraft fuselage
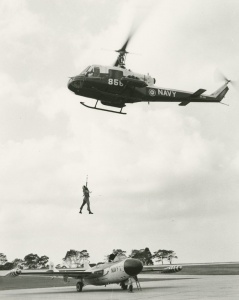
(115, 86)
(113, 272)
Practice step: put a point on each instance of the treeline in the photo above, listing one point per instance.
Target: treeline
(30, 261)
(146, 256)
(75, 258)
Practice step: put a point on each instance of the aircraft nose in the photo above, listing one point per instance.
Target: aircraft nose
(133, 266)
(75, 83)
(69, 84)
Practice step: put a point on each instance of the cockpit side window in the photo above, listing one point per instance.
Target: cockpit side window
(90, 72)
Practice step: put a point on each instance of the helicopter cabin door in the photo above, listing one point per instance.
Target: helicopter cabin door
(115, 74)
(114, 81)
(96, 72)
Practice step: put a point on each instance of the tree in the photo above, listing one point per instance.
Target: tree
(162, 254)
(7, 266)
(3, 259)
(171, 256)
(18, 263)
(144, 255)
(84, 254)
(31, 261)
(148, 257)
(43, 260)
(74, 258)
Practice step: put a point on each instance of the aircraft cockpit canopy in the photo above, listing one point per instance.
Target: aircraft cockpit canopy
(91, 71)
(119, 257)
(85, 70)
(116, 257)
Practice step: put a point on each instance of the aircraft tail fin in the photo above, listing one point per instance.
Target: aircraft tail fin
(221, 92)
(52, 267)
(86, 264)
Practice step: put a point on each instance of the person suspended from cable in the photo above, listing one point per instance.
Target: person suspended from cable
(86, 198)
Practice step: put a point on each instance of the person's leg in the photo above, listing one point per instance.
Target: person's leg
(83, 204)
(88, 206)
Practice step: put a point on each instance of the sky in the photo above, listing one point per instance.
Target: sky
(162, 176)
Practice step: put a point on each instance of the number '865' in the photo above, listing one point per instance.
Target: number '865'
(115, 82)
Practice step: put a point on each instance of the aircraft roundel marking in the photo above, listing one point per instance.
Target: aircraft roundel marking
(152, 92)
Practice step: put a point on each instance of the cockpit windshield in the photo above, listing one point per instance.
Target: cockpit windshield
(84, 71)
(91, 71)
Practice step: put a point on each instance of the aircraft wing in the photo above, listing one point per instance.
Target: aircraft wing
(162, 269)
(50, 273)
(214, 268)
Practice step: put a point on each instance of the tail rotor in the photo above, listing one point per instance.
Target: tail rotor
(219, 76)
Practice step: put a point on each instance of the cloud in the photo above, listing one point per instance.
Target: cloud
(163, 173)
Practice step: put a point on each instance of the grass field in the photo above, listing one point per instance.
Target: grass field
(30, 282)
(26, 282)
(215, 269)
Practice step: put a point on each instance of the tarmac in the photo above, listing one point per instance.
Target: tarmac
(166, 287)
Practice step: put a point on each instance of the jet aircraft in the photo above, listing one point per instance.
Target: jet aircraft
(117, 271)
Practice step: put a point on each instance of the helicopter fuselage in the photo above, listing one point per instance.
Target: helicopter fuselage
(116, 86)
(111, 85)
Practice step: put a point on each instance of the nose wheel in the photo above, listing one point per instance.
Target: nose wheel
(124, 286)
(137, 283)
(79, 286)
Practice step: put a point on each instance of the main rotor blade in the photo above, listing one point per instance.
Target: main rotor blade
(122, 51)
(123, 48)
(143, 13)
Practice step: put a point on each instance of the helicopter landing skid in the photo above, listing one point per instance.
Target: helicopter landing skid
(94, 107)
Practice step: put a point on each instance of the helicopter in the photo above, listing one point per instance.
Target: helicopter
(115, 86)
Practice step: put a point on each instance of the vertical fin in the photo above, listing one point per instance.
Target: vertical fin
(52, 267)
(221, 92)
(86, 264)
